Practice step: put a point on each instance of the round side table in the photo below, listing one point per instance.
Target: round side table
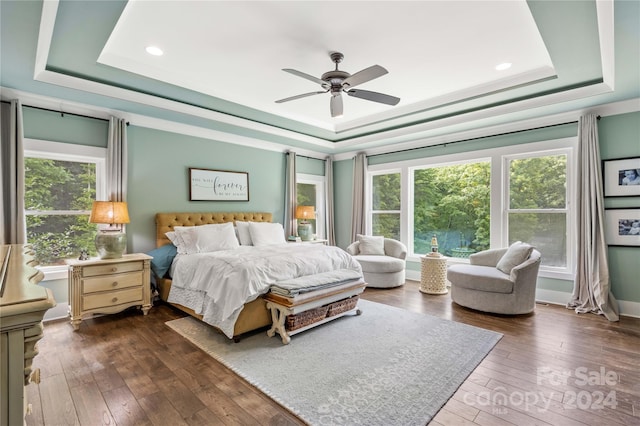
(433, 276)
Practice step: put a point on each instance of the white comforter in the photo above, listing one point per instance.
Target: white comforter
(217, 285)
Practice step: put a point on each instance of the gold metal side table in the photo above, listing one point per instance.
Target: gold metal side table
(433, 275)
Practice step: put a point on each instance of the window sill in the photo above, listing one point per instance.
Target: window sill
(52, 273)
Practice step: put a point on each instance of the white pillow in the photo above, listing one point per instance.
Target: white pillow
(517, 253)
(266, 234)
(186, 244)
(371, 245)
(209, 238)
(244, 235)
(177, 240)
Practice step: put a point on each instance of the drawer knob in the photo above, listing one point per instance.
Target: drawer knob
(115, 283)
(114, 269)
(114, 300)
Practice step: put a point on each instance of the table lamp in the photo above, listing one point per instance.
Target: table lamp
(110, 243)
(304, 213)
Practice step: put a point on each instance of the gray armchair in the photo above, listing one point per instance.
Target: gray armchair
(382, 270)
(483, 286)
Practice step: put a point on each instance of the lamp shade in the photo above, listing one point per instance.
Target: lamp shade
(305, 212)
(111, 212)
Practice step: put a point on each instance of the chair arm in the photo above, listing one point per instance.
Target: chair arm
(353, 248)
(395, 248)
(528, 270)
(487, 257)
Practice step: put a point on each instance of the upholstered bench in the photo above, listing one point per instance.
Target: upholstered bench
(322, 305)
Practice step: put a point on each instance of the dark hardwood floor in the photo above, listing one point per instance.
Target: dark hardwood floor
(553, 367)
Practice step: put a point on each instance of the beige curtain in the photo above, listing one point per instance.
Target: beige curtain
(12, 220)
(328, 189)
(291, 196)
(592, 289)
(117, 160)
(357, 212)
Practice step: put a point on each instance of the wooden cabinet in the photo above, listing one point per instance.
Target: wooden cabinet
(23, 304)
(108, 286)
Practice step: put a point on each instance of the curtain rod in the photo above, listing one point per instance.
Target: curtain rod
(306, 156)
(473, 139)
(62, 113)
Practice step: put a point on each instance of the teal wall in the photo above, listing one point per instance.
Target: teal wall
(619, 136)
(159, 162)
(67, 128)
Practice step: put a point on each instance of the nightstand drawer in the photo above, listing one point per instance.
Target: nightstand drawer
(113, 268)
(114, 298)
(111, 282)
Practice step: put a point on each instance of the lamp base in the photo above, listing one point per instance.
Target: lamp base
(304, 231)
(111, 244)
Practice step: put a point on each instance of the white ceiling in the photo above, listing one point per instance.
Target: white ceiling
(436, 52)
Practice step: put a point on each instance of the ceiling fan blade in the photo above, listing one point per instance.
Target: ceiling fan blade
(374, 96)
(365, 75)
(322, 83)
(293, 98)
(336, 105)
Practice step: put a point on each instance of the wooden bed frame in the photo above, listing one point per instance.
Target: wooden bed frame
(255, 314)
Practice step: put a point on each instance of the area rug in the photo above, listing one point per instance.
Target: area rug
(388, 366)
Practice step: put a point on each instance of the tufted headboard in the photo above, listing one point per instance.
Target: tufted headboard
(166, 221)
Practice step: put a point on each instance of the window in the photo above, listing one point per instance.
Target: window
(310, 192)
(385, 205)
(452, 202)
(477, 200)
(61, 182)
(537, 209)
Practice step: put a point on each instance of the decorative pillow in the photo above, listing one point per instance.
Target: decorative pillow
(244, 235)
(210, 238)
(162, 259)
(177, 241)
(266, 233)
(371, 245)
(517, 253)
(184, 242)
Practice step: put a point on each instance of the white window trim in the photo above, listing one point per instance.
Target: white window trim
(368, 185)
(38, 148)
(320, 184)
(499, 237)
(571, 219)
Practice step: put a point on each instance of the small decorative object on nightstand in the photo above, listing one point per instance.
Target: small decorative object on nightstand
(305, 231)
(110, 242)
(107, 286)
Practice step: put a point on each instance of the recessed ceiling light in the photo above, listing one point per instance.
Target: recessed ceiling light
(503, 66)
(154, 50)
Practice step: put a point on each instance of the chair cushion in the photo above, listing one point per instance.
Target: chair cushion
(517, 253)
(481, 278)
(371, 245)
(379, 264)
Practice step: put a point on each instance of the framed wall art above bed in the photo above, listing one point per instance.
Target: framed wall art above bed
(218, 185)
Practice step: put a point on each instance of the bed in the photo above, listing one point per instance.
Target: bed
(315, 265)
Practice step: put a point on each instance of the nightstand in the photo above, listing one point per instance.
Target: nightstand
(108, 286)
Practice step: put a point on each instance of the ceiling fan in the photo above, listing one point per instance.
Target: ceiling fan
(337, 81)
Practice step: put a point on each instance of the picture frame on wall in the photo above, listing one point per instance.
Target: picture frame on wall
(218, 185)
(621, 177)
(622, 227)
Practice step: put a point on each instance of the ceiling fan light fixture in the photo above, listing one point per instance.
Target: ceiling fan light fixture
(154, 50)
(337, 81)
